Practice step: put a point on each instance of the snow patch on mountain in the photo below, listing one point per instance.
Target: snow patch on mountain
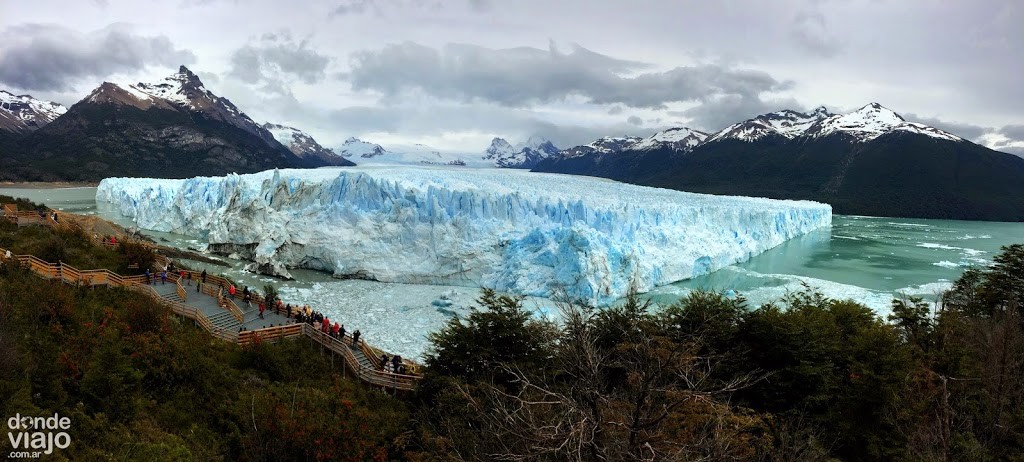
(870, 122)
(786, 123)
(367, 153)
(525, 155)
(679, 139)
(604, 145)
(303, 145)
(515, 231)
(355, 147)
(24, 113)
(183, 91)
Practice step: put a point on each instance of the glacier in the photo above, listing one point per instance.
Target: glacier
(520, 232)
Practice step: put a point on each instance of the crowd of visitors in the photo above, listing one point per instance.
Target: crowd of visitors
(295, 313)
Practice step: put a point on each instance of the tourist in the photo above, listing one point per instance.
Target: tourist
(335, 329)
(262, 307)
(188, 278)
(384, 362)
(163, 276)
(341, 333)
(325, 326)
(113, 240)
(355, 338)
(395, 362)
(231, 290)
(247, 297)
(147, 276)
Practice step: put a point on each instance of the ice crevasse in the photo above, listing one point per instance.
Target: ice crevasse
(515, 231)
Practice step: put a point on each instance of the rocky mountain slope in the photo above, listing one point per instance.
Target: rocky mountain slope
(23, 113)
(304, 146)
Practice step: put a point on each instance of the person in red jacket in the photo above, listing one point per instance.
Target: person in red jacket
(335, 329)
(326, 326)
(262, 308)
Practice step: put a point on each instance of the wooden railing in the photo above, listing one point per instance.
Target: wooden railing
(230, 305)
(269, 334)
(181, 291)
(373, 375)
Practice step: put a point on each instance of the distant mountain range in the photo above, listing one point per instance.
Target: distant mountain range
(525, 155)
(870, 162)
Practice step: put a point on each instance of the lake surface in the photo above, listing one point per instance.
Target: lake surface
(868, 259)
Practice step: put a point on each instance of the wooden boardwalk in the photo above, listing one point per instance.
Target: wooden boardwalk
(215, 311)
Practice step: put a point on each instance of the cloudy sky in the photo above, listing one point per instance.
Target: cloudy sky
(455, 73)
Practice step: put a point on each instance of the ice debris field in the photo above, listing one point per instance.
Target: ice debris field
(515, 231)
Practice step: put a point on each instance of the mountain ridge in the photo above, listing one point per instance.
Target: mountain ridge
(870, 161)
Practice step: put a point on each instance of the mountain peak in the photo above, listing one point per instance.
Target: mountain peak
(303, 145)
(23, 113)
(356, 147)
(676, 138)
(786, 123)
(871, 121)
(523, 155)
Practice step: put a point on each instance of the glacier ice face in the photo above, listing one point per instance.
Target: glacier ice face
(521, 232)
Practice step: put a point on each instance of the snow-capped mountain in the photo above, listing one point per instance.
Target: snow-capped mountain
(679, 139)
(355, 147)
(866, 162)
(604, 145)
(864, 124)
(368, 153)
(23, 113)
(180, 91)
(524, 155)
(786, 123)
(303, 145)
(870, 122)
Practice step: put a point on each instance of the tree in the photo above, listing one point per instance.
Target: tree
(500, 335)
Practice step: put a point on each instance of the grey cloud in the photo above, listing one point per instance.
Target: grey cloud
(810, 31)
(1013, 131)
(967, 131)
(355, 7)
(634, 120)
(276, 59)
(53, 58)
(380, 8)
(509, 123)
(480, 6)
(615, 110)
(1014, 151)
(525, 76)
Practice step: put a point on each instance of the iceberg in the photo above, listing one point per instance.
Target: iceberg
(520, 232)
